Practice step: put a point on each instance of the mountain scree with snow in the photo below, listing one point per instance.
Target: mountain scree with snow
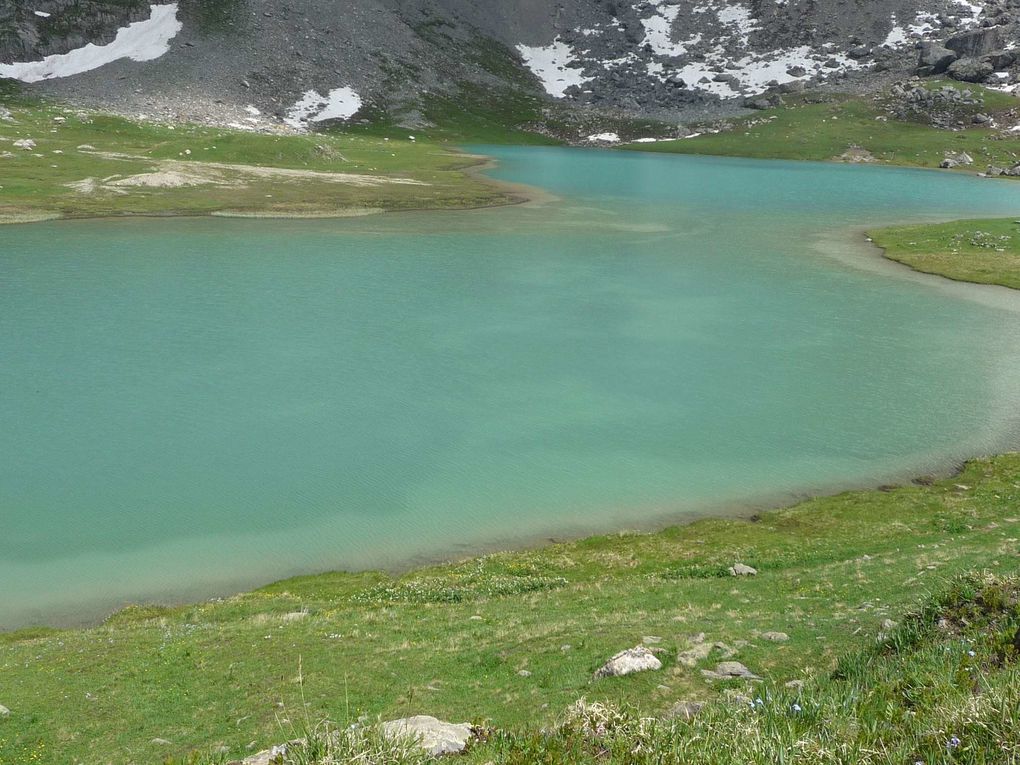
(295, 64)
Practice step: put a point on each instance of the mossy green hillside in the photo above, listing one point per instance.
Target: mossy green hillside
(942, 687)
(513, 638)
(863, 126)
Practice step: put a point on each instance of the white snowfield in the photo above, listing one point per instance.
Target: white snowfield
(553, 65)
(141, 41)
(560, 65)
(338, 104)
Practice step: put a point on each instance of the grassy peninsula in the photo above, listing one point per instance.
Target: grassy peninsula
(512, 640)
(57, 162)
(980, 251)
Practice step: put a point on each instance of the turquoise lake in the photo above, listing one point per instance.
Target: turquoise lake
(193, 407)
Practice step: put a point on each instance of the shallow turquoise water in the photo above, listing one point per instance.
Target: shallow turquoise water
(189, 407)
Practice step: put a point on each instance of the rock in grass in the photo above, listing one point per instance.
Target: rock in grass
(685, 710)
(269, 756)
(775, 637)
(434, 736)
(741, 570)
(4, 711)
(628, 662)
(693, 655)
(700, 651)
(728, 670)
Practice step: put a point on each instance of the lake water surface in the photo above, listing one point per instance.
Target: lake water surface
(191, 407)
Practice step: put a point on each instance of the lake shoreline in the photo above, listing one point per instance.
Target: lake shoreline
(654, 523)
(751, 510)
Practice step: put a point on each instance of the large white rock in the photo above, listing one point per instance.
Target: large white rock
(628, 662)
(434, 736)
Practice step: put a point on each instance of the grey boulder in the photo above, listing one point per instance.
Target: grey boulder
(976, 42)
(434, 736)
(935, 57)
(970, 70)
(638, 659)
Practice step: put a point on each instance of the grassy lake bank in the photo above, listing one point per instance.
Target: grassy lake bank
(506, 637)
(60, 162)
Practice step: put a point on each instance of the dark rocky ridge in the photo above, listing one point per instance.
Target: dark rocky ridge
(662, 58)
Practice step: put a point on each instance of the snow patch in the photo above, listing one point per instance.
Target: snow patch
(924, 23)
(604, 138)
(141, 41)
(554, 66)
(659, 30)
(339, 104)
(975, 9)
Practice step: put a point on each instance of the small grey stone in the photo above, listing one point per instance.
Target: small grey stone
(160, 742)
(727, 670)
(741, 570)
(524, 673)
(268, 756)
(692, 656)
(775, 637)
(4, 711)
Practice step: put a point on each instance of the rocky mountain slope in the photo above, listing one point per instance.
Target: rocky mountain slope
(259, 63)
